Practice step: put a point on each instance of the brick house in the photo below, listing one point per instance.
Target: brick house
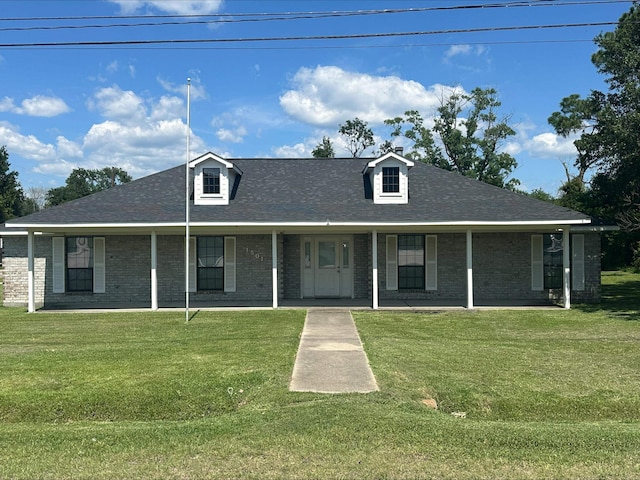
(272, 232)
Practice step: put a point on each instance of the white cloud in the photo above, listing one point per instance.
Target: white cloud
(38, 106)
(456, 50)
(180, 7)
(196, 92)
(235, 135)
(27, 146)
(43, 106)
(168, 107)
(329, 95)
(114, 103)
(545, 145)
(299, 150)
(550, 145)
(68, 149)
(7, 105)
(113, 67)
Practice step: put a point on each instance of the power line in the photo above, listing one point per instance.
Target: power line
(301, 38)
(282, 16)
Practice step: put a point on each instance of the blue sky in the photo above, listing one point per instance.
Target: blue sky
(63, 107)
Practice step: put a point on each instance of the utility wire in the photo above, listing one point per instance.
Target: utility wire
(301, 38)
(283, 16)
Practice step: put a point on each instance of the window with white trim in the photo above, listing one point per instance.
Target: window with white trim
(390, 179)
(412, 262)
(552, 260)
(78, 264)
(411, 273)
(547, 267)
(210, 261)
(211, 181)
(79, 255)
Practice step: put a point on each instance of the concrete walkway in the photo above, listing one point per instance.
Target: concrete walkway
(330, 356)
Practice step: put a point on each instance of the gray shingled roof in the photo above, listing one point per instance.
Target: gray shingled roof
(305, 190)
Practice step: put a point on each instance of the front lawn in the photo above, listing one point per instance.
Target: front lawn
(521, 394)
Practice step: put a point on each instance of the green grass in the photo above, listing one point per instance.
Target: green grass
(546, 393)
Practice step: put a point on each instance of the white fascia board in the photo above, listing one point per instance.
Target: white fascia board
(327, 223)
(212, 156)
(373, 163)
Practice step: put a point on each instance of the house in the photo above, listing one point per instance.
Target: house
(379, 232)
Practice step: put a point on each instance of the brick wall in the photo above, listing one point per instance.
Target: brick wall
(253, 271)
(501, 262)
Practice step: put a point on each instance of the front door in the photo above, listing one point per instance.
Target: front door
(327, 268)
(329, 274)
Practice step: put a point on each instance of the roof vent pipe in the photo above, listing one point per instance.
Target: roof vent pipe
(398, 150)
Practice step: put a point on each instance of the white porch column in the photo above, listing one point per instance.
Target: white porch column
(374, 261)
(30, 274)
(154, 275)
(469, 269)
(566, 264)
(274, 267)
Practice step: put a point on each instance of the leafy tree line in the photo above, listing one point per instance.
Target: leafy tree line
(81, 182)
(608, 144)
(467, 137)
(13, 202)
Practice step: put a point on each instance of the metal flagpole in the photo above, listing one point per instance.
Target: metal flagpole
(187, 182)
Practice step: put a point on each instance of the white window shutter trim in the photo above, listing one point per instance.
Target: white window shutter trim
(229, 264)
(431, 262)
(57, 244)
(537, 267)
(577, 263)
(392, 262)
(99, 270)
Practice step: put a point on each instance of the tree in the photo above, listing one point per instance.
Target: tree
(424, 148)
(324, 149)
(609, 127)
(358, 136)
(579, 115)
(38, 196)
(12, 201)
(82, 182)
(467, 137)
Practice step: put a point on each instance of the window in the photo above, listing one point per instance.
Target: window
(210, 261)
(211, 180)
(552, 252)
(390, 179)
(411, 274)
(79, 263)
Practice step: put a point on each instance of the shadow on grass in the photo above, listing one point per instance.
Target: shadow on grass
(620, 299)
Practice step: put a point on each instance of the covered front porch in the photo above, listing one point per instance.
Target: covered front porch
(287, 265)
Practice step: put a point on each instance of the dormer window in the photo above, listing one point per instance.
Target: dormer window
(211, 180)
(390, 179)
(214, 180)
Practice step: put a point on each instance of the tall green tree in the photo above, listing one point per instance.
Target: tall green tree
(324, 149)
(358, 136)
(82, 182)
(12, 200)
(608, 125)
(467, 137)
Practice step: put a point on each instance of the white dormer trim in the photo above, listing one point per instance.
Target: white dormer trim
(375, 170)
(227, 176)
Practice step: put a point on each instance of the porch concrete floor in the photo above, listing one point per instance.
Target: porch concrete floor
(326, 303)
